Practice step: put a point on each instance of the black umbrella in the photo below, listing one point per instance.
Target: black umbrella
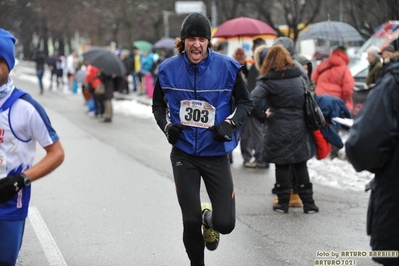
(105, 60)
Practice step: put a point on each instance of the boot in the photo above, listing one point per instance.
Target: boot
(295, 200)
(305, 192)
(283, 194)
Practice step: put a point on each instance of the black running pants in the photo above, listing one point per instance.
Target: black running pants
(216, 174)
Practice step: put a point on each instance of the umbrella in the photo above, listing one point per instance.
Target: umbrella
(166, 43)
(143, 45)
(243, 26)
(332, 31)
(105, 60)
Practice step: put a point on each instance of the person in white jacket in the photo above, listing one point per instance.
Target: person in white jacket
(71, 69)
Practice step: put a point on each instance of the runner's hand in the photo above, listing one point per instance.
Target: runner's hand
(223, 131)
(10, 186)
(173, 132)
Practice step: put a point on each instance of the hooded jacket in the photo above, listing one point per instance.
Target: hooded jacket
(304, 61)
(288, 44)
(332, 76)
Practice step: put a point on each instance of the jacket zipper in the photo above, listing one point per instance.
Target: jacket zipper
(195, 97)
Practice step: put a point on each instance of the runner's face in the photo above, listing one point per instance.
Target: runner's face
(3, 72)
(196, 48)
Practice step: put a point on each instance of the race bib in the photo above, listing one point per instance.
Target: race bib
(3, 166)
(197, 113)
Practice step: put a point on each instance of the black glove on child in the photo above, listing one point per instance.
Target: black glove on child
(10, 186)
(173, 132)
(223, 131)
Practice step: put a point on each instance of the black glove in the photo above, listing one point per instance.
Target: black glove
(10, 186)
(173, 132)
(223, 131)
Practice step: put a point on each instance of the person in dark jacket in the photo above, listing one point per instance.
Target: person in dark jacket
(40, 59)
(200, 101)
(109, 86)
(373, 145)
(287, 137)
(123, 85)
(252, 131)
(52, 65)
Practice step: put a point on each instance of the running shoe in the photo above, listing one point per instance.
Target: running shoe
(211, 237)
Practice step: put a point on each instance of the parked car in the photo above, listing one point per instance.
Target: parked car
(359, 69)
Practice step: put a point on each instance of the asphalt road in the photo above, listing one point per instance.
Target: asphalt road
(112, 202)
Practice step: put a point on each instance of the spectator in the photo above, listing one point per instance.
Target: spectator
(71, 69)
(252, 131)
(52, 65)
(124, 86)
(386, 54)
(135, 68)
(287, 137)
(109, 88)
(93, 81)
(147, 63)
(332, 76)
(375, 65)
(40, 59)
(60, 70)
(373, 145)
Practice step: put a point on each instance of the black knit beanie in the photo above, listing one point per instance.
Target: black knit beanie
(196, 25)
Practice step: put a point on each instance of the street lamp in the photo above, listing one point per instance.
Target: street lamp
(166, 22)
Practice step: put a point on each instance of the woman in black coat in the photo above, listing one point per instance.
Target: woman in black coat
(287, 137)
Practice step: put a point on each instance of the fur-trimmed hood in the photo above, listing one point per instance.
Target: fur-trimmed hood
(260, 55)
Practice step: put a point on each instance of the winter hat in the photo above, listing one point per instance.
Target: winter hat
(388, 48)
(7, 48)
(196, 25)
(260, 55)
(374, 51)
(287, 43)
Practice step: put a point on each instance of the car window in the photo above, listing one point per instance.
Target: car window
(363, 73)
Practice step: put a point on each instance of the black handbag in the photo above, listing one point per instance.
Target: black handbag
(314, 116)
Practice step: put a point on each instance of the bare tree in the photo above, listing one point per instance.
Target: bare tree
(292, 13)
(366, 16)
(124, 21)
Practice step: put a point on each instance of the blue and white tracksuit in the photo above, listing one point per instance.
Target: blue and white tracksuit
(23, 123)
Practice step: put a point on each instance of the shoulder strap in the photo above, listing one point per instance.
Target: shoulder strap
(327, 68)
(16, 94)
(304, 84)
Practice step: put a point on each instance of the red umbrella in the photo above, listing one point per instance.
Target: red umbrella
(243, 26)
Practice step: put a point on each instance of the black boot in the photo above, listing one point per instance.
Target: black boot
(283, 195)
(305, 192)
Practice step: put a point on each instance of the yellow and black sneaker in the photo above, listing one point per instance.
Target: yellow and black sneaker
(211, 237)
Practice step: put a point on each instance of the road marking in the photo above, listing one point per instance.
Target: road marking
(47, 241)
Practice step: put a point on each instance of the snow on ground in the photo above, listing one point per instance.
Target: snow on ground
(337, 173)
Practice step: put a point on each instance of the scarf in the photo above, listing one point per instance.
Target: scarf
(6, 88)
